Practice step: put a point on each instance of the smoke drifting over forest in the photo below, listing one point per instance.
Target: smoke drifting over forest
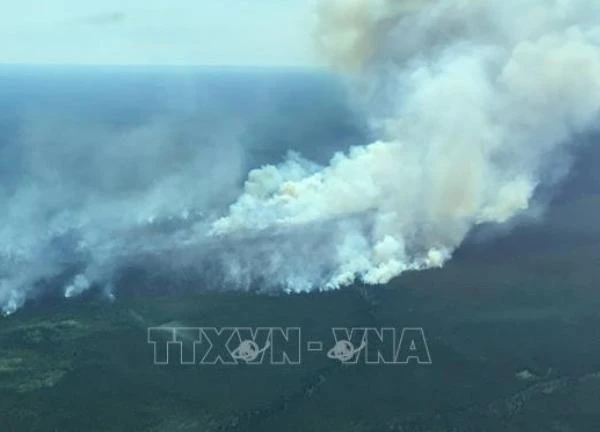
(474, 105)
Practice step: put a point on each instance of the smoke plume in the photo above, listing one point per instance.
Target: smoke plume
(116, 190)
(475, 104)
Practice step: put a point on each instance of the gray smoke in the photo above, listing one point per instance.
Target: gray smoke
(86, 199)
(122, 195)
(475, 103)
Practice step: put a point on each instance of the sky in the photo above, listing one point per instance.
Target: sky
(157, 32)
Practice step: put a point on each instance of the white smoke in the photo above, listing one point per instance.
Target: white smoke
(120, 195)
(475, 103)
(89, 199)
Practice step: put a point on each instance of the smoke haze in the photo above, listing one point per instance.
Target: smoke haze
(120, 171)
(473, 106)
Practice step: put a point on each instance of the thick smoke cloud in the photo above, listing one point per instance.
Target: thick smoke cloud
(116, 189)
(87, 199)
(475, 104)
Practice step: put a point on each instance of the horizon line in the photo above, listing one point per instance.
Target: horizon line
(163, 66)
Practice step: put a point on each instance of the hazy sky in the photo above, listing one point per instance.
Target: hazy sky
(196, 32)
